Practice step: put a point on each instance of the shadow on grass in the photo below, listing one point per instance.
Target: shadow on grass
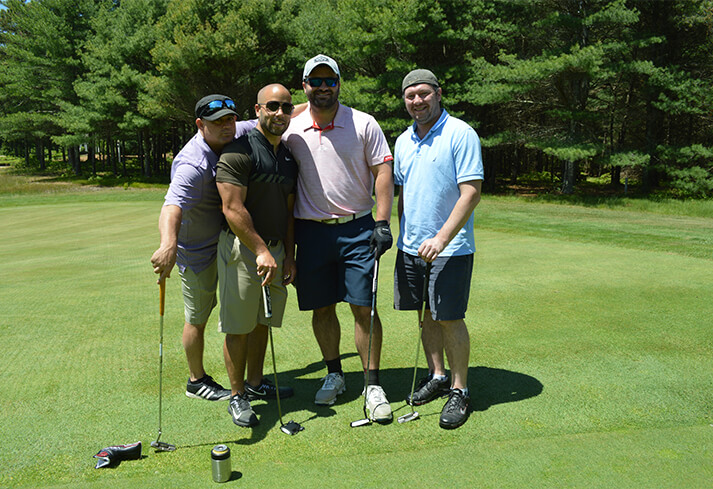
(491, 386)
(488, 387)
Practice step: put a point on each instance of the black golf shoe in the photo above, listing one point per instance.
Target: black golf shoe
(243, 415)
(427, 390)
(456, 410)
(208, 389)
(267, 390)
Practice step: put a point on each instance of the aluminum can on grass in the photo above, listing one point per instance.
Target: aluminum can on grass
(220, 462)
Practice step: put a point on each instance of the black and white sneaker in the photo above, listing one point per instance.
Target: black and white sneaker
(241, 411)
(208, 389)
(267, 390)
(456, 410)
(428, 389)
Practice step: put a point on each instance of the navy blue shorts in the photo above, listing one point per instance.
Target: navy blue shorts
(448, 285)
(334, 263)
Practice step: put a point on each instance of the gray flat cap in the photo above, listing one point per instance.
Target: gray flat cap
(419, 76)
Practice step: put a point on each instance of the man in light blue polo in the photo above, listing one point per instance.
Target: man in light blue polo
(438, 165)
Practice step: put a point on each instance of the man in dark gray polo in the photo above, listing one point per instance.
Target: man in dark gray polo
(256, 179)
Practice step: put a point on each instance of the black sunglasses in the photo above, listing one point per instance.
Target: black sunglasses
(274, 106)
(214, 106)
(317, 82)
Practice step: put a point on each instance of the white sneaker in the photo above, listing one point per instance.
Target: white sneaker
(333, 386)
(377, 404)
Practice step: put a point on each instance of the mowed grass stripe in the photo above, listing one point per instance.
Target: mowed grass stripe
(690, 236)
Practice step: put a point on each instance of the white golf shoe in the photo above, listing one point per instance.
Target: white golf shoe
(377, 404)
(333, 386)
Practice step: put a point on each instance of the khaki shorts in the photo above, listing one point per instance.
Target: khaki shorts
(199, 293)
(241, 304)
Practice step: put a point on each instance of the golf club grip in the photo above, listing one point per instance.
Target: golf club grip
(267, 301)
(162, 296)
(376, 276)
(424, 295)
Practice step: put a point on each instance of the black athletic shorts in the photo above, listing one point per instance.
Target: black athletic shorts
(448, 285)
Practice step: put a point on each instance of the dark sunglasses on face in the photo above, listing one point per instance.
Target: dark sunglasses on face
(317, 82)
(214, 106)
(273, 106)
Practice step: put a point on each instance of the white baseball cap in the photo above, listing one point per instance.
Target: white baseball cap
(320, 59)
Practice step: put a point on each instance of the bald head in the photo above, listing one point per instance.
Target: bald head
(274, 91)
(273, 109)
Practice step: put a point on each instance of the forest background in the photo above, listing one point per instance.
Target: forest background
(560, 91)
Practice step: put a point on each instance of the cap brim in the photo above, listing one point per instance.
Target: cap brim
(219, 114)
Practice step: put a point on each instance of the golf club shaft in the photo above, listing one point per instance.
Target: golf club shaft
(424, 300)
(371, 328)
(267, 301)
(162, 303)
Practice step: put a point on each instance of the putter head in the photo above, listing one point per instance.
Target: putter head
(292, 428)
(162, 446)
(361, 422)
(408, 417)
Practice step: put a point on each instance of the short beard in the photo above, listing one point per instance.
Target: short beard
(267, 126)
(324, 104)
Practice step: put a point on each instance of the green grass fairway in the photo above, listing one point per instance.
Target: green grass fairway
(591, 363)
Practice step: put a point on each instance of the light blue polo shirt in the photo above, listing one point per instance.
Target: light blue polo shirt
(429, 171)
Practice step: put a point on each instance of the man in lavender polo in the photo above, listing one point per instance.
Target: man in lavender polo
(342, 156)
(190, 223)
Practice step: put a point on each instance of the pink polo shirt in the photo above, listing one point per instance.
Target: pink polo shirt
(334, 177)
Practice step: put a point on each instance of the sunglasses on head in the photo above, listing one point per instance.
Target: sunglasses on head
(317, 82)
(274, 106)
(214, 106)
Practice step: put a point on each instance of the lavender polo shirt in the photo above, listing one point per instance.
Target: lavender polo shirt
(335, 163)
(193, 189)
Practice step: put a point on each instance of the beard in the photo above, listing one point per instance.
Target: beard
(323, 99)
(268, 125)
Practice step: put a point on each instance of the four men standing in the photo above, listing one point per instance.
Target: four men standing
(325, 209)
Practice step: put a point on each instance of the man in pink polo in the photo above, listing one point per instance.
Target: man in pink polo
(343, 157)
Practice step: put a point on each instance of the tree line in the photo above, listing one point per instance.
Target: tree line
(558, 90)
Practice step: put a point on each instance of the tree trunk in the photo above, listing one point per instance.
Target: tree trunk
(616, 176)
(147, 154)
(91, 157)
(40, 154)
(74, 160)
(568, 177)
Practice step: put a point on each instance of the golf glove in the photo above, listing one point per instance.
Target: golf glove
(381, 239)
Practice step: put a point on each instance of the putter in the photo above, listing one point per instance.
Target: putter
(424, 298)
(366, 420)
(161, 446)
(293, 427)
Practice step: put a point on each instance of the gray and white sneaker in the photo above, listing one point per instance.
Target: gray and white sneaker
(241, 411)
(377, 404)
(333, 385)
(206, 388)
